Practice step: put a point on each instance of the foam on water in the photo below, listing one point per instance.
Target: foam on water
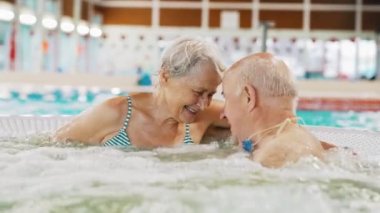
(38, 176)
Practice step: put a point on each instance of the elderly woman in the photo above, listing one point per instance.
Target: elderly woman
(180, 111)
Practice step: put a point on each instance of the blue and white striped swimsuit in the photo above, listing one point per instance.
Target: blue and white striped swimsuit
(122, 139)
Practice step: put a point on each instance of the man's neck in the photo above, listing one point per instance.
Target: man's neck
(267, 116)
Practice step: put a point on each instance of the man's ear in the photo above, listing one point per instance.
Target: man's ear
(250, 96)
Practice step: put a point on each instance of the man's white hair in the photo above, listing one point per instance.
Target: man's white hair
(269, 75)
(186, 55)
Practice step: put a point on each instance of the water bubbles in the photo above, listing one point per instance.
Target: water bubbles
(190, 178)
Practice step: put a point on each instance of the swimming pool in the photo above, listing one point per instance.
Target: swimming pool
(73, 102)
(40, 176)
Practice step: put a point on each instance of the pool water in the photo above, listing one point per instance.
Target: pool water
(39, 176)
(346, 119)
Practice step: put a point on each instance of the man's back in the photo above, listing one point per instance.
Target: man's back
(287, 146)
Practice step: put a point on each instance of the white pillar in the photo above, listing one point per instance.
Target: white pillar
(57, 38)
(155, 14)
(358, 29)
(205, 14)
(77, 8)
(358, 16)
(255, 14)
(306, 16)
(39, 36)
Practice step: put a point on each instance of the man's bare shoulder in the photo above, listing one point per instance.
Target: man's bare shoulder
(272, 156)
(288, 147)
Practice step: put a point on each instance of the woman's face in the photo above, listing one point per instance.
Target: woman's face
(190, 94)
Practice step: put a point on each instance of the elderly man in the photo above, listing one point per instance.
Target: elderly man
(260, 107)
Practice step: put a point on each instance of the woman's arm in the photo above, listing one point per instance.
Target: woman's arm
(214, 115)
(93, 125)
(218, 127)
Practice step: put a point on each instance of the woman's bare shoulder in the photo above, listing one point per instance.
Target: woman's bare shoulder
(115, 102)
(91, 125)
(108, 110)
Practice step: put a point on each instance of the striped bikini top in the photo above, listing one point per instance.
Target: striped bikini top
(122, 139)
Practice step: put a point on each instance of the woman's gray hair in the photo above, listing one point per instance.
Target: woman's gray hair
(185, 55)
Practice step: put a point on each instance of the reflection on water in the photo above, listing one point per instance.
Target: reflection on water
(346, 119)
(39, 176)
